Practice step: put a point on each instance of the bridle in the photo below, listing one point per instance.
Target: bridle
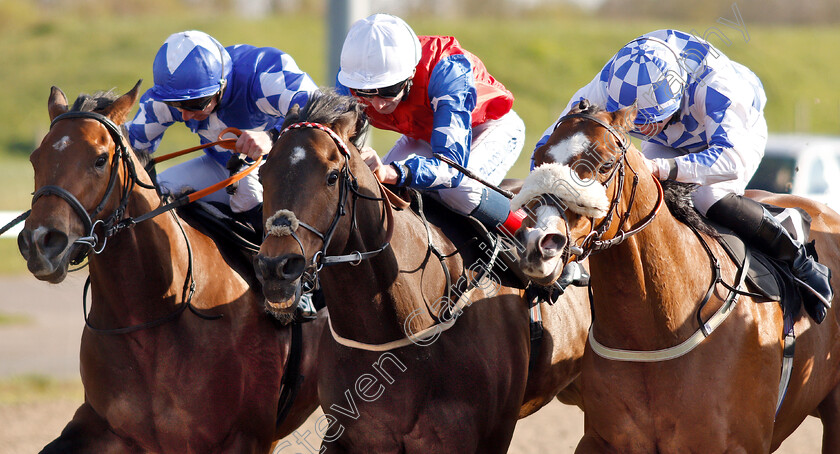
(593, 241)
(112, 224)
(116, 222)
(347, 184)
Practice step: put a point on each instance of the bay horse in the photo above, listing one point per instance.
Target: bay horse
(653, 379)
(402, 368)
(157, 378)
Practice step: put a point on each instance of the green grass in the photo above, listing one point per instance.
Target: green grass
(14, 319)
(35, 388)
(543, 59)
(10, 260)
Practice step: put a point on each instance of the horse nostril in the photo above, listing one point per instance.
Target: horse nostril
(551, 244)
(291, 268)
(50, 242)
(285, 268)
(24, 241)
(55, 242)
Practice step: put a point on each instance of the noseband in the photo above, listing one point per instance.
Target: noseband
(348, 184)
(593, 242)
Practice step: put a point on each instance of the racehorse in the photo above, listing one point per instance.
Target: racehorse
(654, 379)
(416, 359)
(157, 378)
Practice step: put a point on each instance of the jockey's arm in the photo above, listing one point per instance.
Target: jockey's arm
(146, 129)
(453, 97)
(735, 142)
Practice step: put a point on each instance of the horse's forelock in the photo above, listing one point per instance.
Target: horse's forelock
(326, 107)
(93, 102)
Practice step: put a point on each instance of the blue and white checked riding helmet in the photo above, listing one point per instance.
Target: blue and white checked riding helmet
(189, 65)
(646, 71)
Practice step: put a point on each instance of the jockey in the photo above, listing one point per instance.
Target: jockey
(701, 120)
(442, 100)
(209, 88)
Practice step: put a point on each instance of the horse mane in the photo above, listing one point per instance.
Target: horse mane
(325, 107)
(678, 200)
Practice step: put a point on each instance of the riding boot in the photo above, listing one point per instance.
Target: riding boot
(494, 212)
(757, 226)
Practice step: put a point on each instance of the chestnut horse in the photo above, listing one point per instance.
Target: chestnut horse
(653, 379)
(157, 378)
(401, 369)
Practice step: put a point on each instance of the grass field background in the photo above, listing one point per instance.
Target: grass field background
(542, 58)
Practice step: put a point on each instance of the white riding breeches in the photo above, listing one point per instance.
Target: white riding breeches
(204, 171)
(706, 195)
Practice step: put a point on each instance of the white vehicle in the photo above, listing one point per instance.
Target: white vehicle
(803, 165)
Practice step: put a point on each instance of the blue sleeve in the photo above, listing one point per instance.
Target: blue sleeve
(146, 129)
(280, 84)
(453, 97)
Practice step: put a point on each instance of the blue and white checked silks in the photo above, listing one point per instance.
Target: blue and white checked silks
(263, 83)
(717, 132)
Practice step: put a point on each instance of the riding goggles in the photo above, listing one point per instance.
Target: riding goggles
(192, 105)
(389, 92)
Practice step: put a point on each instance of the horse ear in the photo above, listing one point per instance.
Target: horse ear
(57, 103)
(118, 110)
(345, 125)
(625, 118)
(293, 111)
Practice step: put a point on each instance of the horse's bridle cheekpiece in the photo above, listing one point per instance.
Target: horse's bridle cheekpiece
(116, 221)
(593, 242)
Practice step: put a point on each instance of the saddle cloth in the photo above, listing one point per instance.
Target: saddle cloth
(767, 276)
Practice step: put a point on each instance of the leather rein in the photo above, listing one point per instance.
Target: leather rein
(117, 221)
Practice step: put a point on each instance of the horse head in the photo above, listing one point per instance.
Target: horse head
(572, 196)
(75, 175)
(311, 177)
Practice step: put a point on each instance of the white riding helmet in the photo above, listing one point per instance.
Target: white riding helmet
(379, 51)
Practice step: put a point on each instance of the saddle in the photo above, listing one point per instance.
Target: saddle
(770, 279)
(237, 240)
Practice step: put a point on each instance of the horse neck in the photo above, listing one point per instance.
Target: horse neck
(139, 266)
(647, 289)
(372, 302)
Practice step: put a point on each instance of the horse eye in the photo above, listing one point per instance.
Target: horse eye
(101, 161)
(332, 177)
(606, 167)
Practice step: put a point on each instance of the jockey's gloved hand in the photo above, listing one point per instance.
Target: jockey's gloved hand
(573, 274)
(234, 165)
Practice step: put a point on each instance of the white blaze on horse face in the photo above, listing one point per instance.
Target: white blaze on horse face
(548, 219)
(298, 153)
(62, 143)
(568, 148)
